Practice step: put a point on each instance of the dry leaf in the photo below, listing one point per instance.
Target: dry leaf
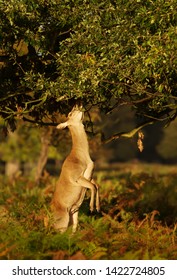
(78, 256)
(139, 141)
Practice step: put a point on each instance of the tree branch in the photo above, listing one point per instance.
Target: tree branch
(40, 122)
(129, 134)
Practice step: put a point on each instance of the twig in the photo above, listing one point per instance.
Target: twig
(40, 122)
(129, 134)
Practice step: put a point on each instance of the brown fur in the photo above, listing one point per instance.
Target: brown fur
(75, 177)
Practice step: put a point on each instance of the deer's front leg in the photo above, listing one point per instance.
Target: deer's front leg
(97, 195)
(74, 217)
(87, 184)
(89, 170)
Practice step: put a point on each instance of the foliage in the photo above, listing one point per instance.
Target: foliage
(132, 223)
(104, 53)
(22, 145)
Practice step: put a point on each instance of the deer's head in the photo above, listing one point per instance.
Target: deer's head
(75, 117)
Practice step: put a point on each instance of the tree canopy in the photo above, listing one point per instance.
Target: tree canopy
(102, 53)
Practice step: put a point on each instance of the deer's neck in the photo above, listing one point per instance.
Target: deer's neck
(79, 139)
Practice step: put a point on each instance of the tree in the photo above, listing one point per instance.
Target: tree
(102, 53)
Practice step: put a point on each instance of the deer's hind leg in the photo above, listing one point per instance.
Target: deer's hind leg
(61, 220)
(74, 220)
(75, 210)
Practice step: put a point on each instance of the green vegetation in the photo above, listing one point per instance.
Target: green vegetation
(103, 53)
(137, 219)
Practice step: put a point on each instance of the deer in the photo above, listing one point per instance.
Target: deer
(75, 177)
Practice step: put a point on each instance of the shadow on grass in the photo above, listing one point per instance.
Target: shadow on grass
(143, 194)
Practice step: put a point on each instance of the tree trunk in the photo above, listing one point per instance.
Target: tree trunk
(45, 142)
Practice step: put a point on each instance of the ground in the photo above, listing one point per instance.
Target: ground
(138, 217)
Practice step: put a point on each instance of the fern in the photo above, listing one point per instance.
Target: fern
(133, 223)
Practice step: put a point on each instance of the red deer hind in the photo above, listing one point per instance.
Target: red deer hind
(75, 177)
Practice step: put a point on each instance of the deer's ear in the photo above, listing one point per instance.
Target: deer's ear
(62, 125)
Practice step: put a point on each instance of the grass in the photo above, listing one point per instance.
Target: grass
(138, 218)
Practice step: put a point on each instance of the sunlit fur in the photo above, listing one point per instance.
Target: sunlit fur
(75, 177)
